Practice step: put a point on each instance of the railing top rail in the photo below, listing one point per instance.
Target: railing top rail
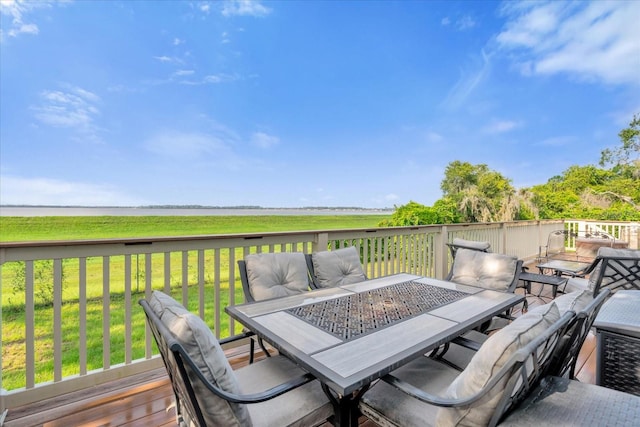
(204, 237)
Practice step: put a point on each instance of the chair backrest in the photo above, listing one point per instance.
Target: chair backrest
(556, 244)
(199, 372)
(505, 369)
(615, 269)
(566, 356)
(273, 275)
(458, 243)
(335, 268)
(485, 270)
(532, 364)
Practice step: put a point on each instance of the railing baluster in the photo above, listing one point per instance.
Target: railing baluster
(57, 320)
(216, 290)
(201, 282)
(128, 306)
(185, 278)
(82, 314)
(106, 312)
(29, 324)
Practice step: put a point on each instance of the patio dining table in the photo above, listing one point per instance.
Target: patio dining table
(351, 335)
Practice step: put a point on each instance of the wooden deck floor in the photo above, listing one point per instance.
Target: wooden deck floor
(143, 400)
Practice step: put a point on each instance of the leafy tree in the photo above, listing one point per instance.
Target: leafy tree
(475, 193)
(629, 153)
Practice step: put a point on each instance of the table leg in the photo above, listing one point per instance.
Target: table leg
(346, 412)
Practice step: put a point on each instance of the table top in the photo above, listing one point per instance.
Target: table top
(564, 266)
(350, 335)
(620, 313)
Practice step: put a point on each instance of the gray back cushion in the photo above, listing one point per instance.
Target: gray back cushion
(276, 275)
(205, 351)
(337, 267)
(484, 270)
(494, 353)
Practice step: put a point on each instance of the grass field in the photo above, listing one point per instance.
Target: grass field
(72, 228)
(22, 229)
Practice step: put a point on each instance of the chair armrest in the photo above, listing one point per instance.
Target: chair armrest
(243, 335)
(467, 343)
(242, 398)
(449, 402)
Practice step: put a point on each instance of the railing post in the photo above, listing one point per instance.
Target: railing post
(634, 235)
(440, 258)
(321, 242)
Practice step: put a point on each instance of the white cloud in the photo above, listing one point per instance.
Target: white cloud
(244, 8)
(180, 73)
(557, 141)
(17, 10)
(263, 140)
(465, 23)
(205, 7)
(209, 79)
(592, 41)
(74, 108)
(435, 137)
(467, 83)
(185, 145)
(500, 126)
(166, 59)
(461, 24)
(15, 190)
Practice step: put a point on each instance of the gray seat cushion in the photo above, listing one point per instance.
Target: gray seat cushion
(205, 351)
(304, 406)
(484, 270)
(276, 275)
(337, 267)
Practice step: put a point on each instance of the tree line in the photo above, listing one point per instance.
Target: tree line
(475, 193)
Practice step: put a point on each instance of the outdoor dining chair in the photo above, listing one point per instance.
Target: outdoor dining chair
(428, 392)
(487, 270)
(555, 247)
(208, 392)
(461, 350)
(272, 275)
(335, 268)
(613, 268)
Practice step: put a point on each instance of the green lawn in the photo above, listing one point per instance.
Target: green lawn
(102, 227)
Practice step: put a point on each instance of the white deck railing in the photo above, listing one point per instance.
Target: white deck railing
(78, 299)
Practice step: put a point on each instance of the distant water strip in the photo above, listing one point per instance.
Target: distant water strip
(177, 211)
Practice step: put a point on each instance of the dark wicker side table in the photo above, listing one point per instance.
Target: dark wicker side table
(618, 342)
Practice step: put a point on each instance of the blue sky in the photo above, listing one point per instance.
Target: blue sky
(304, 103)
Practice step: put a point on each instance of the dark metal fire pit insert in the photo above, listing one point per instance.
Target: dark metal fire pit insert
(353, 315)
